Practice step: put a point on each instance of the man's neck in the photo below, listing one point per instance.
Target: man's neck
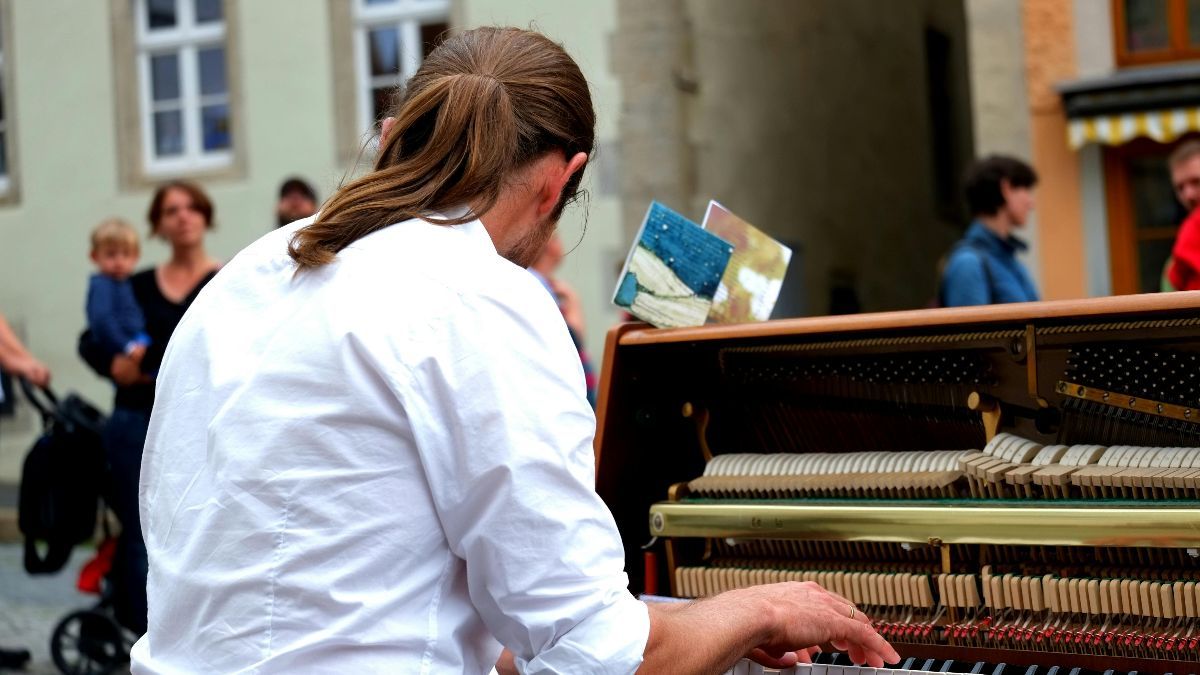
(998, 224)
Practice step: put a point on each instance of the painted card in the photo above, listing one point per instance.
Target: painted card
(750, 286)
(673, 270)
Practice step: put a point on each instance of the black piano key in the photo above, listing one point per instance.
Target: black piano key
(1053, 670)
(909, 664)
(999, 669)
(978, 668)
(928, 665)
(1032, 670)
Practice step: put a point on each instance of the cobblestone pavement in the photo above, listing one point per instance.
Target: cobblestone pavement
(30, 607)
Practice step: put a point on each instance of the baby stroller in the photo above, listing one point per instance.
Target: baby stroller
(93, 641)
(63, 482)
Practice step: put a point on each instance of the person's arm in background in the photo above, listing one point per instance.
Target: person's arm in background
(965, 283)
(17, 360)
(570, 304)
(122, 369)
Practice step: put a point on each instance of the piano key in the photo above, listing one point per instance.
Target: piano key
(829, 669)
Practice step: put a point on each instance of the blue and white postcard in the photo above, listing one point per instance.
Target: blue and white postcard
(673, 271)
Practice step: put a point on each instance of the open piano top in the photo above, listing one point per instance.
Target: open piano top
(1013, 484)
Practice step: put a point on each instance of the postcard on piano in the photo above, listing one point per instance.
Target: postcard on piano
(754, 276)
(673, 271)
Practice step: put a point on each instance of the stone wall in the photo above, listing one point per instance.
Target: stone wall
(811, 120)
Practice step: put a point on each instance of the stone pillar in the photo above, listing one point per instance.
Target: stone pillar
(651, 56)
(1050, 58)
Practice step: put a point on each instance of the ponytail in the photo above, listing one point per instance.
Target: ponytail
(484, 104)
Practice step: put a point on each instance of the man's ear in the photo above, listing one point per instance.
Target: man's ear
(1006, 189)
(557, 175)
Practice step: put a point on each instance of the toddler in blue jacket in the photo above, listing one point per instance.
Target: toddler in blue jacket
(113, 314)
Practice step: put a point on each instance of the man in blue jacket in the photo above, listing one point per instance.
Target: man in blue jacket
(982, 268)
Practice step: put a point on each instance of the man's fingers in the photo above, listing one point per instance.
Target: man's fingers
(867, 638)
(844, 605)
(854, 635)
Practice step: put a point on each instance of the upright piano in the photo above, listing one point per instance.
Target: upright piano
(1004, 489)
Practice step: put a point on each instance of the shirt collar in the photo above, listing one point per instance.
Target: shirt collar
(472, 229)
(544, 281)
(980, 233)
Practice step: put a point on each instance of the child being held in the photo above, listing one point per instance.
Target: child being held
(113, 314)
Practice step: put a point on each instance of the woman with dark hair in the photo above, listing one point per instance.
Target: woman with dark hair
(180, 214)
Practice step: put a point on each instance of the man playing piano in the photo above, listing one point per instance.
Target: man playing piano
(371, 450)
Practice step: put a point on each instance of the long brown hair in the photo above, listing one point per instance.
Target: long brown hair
(485, 103)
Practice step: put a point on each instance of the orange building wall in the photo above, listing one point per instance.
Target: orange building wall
(1050, 58)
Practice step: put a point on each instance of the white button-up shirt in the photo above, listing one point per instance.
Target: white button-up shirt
(381, 465)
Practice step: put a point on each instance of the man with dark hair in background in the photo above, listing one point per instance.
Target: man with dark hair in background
(297, 200)
(1182, 272)
(982, 268)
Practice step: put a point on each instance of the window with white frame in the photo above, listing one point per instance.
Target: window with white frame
(183, 85)
(391, 38)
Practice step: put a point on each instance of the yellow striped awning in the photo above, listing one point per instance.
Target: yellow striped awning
(1163, 126)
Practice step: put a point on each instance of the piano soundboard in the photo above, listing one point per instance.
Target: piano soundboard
(1005, 489)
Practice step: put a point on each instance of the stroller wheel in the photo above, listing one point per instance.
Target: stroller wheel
(88, 642)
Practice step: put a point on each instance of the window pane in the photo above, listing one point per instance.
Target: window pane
(385, 50)
(1152, 256)
(1146, 25)
(208, 11)
(214, 124)
(3, 155)
(1154, 202)
(168, 133)
(164, 77)
(432, 35)
(382, 102)
(1193, 11)
(212, 71)
(160, 13)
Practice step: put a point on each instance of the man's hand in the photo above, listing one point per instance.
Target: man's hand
(777, 625)
(805, 615)
(30, 369)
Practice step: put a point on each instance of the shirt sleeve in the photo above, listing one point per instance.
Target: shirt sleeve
(102, 315)
(964, 282)
(506, 444)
